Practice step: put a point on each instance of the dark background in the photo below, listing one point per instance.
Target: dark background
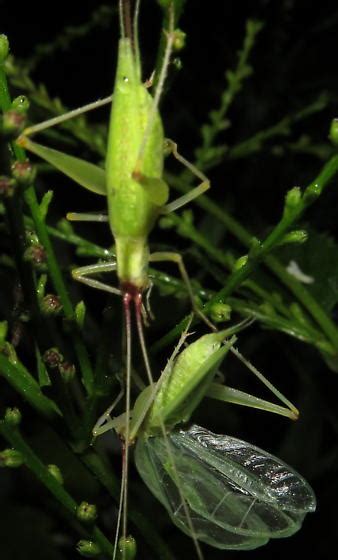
(294, 60)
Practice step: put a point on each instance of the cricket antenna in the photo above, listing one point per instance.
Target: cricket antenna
(160, 84)
(125, 19)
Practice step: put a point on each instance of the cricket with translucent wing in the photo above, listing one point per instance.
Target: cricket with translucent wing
(255, 504)
(217, 489)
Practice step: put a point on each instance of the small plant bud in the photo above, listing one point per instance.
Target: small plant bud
(13, 123)
(36, 255)
(88, 549)
(296, 236)
(50, 304)
(53, 358)
(312, 193)
(255, 248)
(220, 312)
(12, 416)
(292, 200)
(179, 39)
(21, 104)
(86, 512)
(333, 134)
(31, 237)
(80, 313)
(67, 371)
(10, 458)
(55, 471)
(23, 172)
(241, 262)
(4, 48)
(127, 547)
(7, 186)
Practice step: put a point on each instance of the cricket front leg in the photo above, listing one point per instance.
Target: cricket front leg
(105, 422)
(66, 116)
(178, 260)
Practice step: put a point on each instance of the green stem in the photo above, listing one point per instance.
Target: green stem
(236, 278)
(144, 527)
(25, 384)
(54, 269)
(32, 461)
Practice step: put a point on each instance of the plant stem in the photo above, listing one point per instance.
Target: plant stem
(237, 277)
(32, 461)
(53, 267)
(25, 384)
(144, 527)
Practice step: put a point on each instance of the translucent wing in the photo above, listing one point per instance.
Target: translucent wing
(238, 495)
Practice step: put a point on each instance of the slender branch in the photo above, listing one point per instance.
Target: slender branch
(53, 266)
(295, 206)
(32, 461)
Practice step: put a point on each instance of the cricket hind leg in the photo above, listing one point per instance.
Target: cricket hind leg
(82, 275)
(178, 260)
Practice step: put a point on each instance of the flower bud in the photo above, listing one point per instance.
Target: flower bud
(86, 513)
(13, 123)
(88, 549)
(179, 40)
(67, 371)
(50, 304)
(220, 312)
(333, 134)
(241, 262)
(292, 200)
(53, 358)
(36, 255)
(127, 548)
(4, 48)
(12, 416)
(21, 104)
(10, 458)
(24, 172)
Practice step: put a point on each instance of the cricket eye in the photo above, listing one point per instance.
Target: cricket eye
(125, 79)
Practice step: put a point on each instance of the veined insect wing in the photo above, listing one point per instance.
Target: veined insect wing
(239, 496)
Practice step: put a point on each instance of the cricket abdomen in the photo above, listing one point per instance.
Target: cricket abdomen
(132, 212)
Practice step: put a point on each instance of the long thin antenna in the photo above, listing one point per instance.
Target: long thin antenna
(125, 464)
(159, 88)
(138, 313)
(135, 35)
(119, 514)
(121, 18)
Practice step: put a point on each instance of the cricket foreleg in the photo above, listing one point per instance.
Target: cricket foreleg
(82, 217)
(81, 275)
(105, 422)
(66, 116)
(177, 259)
(194, 193)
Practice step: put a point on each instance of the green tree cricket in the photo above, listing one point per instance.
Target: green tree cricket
(217, 489)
